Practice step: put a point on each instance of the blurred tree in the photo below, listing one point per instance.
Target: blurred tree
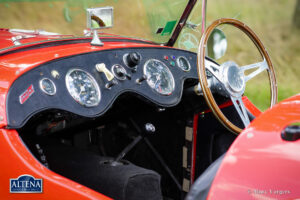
(297, 15)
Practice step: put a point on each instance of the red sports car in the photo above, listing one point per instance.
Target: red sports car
(104, 116)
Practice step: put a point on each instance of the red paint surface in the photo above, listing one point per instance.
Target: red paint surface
(16, 160)
(248, 104)
(260, 164)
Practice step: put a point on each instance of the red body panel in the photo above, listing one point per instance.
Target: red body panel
(6, 38)
(16, 160)
(15, 64)
(260, 164)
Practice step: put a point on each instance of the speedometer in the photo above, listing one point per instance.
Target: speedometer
(83, 87)
(159, 77)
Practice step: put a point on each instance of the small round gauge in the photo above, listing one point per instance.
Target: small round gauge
(183, 63)
(83, 87)
(47, 86)
(119, 72)
(159, 77)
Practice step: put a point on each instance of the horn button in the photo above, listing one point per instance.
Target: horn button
(234, 79)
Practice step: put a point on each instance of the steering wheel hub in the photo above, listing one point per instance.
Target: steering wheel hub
(233, 77)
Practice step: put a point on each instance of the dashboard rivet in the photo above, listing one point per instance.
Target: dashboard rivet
(56, 55)
(55, 74)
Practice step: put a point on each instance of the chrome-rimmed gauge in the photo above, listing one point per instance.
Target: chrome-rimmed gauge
(183, 63)
(47, 86)
(159, 77)
(83, 87)
(119, 71)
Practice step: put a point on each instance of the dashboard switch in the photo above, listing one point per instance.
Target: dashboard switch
(102, 68)
(133, 59)
(119, 72)
(110, 84)
(140, 80)
(128, 76)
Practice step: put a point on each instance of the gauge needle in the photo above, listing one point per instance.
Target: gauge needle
(157, 84)
(82, 89)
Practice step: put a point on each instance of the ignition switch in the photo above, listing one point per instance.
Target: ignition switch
(132, 59)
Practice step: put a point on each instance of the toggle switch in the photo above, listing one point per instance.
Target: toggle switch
(102, 68)
(140, 80)
(110, 84)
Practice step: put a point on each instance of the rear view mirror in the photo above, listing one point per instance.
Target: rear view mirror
(99, 18)
(217, 44)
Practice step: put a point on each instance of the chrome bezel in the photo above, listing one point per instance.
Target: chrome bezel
(169, 71)
(43, 90)
(235, 92)
(94, 82)
(112, 70)
(189, 65)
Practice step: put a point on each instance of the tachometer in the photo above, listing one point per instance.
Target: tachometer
(159, 77)
(83, 87)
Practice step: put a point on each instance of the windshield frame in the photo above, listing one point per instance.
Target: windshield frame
(182, 21)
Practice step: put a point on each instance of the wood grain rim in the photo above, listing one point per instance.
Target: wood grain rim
(202, 72)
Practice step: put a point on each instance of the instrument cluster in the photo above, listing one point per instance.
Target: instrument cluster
(88, 84)
(85, 90)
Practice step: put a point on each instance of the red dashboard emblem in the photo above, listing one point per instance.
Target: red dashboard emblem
(26, 94)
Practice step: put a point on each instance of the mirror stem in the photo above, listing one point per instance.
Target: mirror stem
(96, 40)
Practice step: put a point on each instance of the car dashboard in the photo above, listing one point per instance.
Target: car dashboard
(88, 84)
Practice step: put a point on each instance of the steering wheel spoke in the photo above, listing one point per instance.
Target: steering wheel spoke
(241, 109)
(260, 67)
(214, 69)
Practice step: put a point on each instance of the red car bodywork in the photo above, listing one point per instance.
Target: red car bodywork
(258, 160)
(260, 164)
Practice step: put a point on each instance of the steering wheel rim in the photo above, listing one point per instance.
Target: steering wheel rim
(201, 68)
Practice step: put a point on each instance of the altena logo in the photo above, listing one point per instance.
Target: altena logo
(26, 184)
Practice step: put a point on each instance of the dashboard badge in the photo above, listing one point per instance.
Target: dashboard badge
(26, 94)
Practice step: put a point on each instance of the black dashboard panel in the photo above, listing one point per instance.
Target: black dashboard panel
(36, 100)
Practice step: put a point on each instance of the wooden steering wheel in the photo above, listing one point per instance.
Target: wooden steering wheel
(231, 76)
